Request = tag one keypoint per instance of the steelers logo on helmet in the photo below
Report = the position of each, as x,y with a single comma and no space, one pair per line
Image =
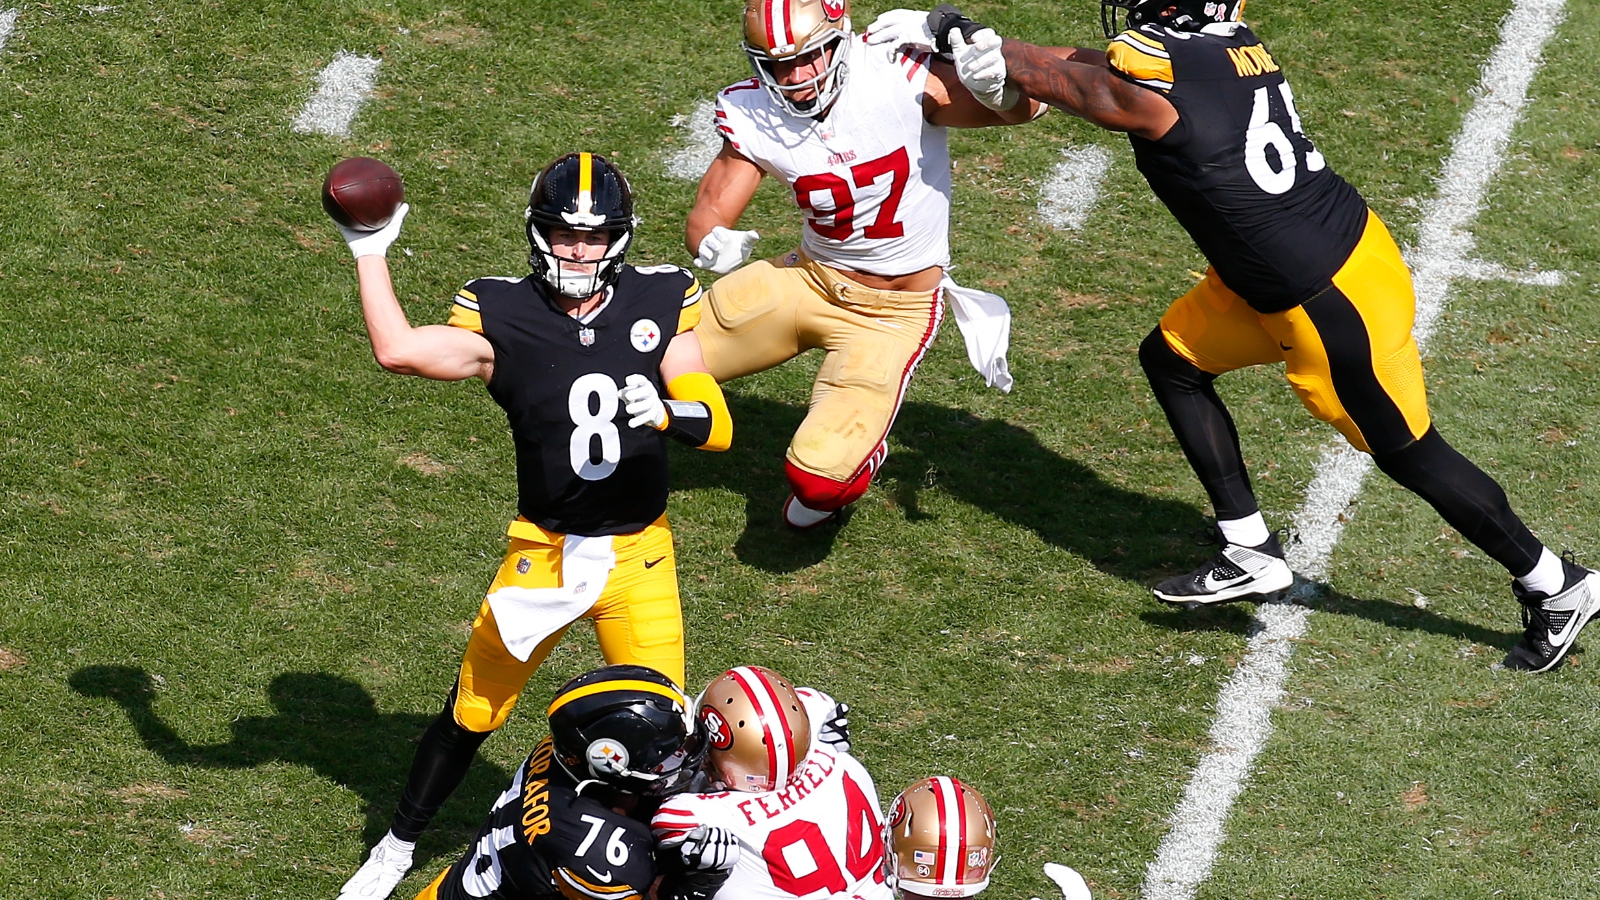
585,193
797,49
606,755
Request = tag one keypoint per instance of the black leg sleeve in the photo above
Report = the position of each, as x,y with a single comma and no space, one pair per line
441,762
1467,498
1202,425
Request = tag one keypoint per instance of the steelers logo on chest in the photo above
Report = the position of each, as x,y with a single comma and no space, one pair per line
645,335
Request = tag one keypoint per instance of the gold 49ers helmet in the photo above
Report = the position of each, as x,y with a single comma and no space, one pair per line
939,840
791,31
757,728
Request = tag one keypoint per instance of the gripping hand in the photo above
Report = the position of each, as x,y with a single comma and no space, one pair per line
643,403
835,732
709,849
724,249
375,243
900,28
982,68
945,19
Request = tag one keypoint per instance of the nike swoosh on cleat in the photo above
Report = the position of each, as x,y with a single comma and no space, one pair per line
651,564
1213,585
1557,638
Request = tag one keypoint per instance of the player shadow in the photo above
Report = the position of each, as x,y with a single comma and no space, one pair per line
1239,618
990,464
326,723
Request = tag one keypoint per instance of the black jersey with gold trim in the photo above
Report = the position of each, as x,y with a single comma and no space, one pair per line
1236,170
545,840
580,468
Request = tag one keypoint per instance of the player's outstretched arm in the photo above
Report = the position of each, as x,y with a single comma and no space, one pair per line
1088,90
440,352
947,102
725,190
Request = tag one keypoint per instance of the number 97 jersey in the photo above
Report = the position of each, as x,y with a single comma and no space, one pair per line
820,836
1236,170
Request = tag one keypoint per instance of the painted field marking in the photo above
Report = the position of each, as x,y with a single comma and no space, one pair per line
1244,708
701,143
8,24
341,89
1073,187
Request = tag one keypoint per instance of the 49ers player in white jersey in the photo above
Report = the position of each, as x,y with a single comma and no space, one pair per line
858,133
804,813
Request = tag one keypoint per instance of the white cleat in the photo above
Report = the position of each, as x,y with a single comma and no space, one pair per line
377,877
1072,885
801,517
1235,573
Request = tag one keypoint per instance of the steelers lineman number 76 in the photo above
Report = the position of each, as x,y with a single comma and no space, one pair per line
589,425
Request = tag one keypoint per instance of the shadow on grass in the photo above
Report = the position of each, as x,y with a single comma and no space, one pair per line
990,464
326,723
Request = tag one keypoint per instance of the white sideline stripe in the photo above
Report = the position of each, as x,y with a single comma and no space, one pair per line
1074,186
341,89
1480,270
702,145
8,24
1244,709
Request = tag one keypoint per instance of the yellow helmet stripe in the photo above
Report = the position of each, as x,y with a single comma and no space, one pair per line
589,690
586,183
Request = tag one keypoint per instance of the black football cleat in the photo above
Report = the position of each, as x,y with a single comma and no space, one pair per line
1235,573
1551,622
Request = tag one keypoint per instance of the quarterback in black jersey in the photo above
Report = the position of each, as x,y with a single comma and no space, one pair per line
596,364
573,823
1302,272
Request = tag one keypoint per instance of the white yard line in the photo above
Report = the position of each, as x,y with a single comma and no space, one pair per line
8,24
1244,708
1073,187
701,143
341,89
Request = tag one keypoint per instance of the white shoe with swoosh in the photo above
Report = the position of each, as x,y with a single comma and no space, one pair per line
1235,573
1550,623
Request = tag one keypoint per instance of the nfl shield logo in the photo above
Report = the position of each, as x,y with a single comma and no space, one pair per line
523,565
586,336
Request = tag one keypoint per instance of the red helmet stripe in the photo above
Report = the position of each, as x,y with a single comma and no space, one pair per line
780,752
961,816
778,23
950,857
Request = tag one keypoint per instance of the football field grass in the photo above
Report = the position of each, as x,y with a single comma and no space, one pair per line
240,560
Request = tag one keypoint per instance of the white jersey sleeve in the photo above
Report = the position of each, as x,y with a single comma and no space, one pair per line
872,177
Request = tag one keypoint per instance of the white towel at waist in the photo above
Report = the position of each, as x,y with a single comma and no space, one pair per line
527,616
985,323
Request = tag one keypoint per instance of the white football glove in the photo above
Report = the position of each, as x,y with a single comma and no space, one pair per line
982,68
375,243
709,849
835,732
724,249
643,403
900,28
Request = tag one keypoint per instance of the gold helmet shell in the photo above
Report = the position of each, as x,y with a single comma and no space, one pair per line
939,840
789,31
756,727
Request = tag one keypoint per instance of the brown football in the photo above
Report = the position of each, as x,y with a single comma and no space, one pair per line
362,193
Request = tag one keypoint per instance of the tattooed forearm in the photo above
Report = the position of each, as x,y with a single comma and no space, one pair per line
1087,91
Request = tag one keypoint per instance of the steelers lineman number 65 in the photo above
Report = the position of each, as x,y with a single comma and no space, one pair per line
1267,131
589,425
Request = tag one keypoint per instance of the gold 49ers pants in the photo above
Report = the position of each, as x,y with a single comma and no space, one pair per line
638,618
1349,351
775,309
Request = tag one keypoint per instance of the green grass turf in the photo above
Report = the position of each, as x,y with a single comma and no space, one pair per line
239,560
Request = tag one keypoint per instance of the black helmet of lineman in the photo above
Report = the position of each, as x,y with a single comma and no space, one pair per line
581,192
1185,15
627,727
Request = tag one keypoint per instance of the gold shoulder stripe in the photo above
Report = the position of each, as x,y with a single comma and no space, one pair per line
575,888
467,294
1145,68
470,319
467,299
623,684
692,291
690,317
1144,39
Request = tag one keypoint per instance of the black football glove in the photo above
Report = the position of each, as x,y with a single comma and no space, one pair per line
703,861
945,19
835,732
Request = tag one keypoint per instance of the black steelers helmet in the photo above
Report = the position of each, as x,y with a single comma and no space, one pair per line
1185,15
628,727
583,192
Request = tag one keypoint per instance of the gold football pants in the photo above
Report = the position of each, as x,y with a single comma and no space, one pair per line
637,618
772,310
1348,351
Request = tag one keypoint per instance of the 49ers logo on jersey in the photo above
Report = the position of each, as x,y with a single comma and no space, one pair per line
833,9
721,734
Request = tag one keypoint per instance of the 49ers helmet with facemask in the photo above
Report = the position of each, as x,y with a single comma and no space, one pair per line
1185,15
791,30
581,192
627,727
939,840
757,729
